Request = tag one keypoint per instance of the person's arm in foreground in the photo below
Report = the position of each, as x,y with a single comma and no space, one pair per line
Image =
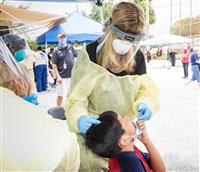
157,162
76,105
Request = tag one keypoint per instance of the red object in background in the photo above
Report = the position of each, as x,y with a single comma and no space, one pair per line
185,56
161,51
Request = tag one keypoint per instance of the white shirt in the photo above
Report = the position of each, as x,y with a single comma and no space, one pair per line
41,59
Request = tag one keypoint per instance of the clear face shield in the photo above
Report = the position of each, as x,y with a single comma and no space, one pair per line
13,75
125,41
17,45
20,50
124,48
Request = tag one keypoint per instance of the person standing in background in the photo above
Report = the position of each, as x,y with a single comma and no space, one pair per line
185,61
161,53
195,62
148,55
51,71
62,63
41,70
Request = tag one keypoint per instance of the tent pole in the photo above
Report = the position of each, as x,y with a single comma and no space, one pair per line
46,46
101,14
47,62
77,7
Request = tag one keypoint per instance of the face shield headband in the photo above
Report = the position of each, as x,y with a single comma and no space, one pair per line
126,36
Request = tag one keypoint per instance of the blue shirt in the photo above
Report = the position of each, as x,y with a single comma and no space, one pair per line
129,162
193,59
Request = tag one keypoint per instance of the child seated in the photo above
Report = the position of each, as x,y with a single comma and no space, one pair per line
114,138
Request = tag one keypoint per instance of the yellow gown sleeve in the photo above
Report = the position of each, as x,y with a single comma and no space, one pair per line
81,87
148,94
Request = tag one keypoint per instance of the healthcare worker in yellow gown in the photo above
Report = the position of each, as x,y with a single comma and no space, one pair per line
31,140
110,74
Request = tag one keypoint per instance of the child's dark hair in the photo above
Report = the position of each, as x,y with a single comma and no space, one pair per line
103,138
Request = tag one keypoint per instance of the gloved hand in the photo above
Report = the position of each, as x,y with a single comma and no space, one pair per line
32,98
144,112
85,122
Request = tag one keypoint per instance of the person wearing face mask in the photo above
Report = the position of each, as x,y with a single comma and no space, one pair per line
62,63
19,81
110,74
17,46
185,60
22,53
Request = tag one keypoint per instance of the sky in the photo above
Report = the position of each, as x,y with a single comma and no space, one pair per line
163,13
161,8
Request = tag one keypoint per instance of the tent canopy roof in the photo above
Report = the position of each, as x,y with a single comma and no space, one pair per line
78,28
25,16
166,39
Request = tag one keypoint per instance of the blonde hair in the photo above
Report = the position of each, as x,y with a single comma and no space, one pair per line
21,86
129,18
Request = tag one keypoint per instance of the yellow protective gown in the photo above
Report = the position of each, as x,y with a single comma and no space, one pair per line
94,90
32,140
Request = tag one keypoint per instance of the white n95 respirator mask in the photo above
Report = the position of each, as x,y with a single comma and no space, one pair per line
121,47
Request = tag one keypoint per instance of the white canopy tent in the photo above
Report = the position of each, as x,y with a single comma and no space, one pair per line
167,39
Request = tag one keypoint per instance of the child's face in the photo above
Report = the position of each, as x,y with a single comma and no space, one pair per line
128,126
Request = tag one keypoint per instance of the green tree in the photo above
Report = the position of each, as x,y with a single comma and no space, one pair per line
152,16
107,10
185,27
32,44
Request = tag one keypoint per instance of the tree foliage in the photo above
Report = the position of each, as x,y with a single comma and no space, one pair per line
95,13
32,44
185,26
108,6
152,16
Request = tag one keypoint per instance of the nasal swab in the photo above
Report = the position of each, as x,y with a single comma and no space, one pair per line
138,131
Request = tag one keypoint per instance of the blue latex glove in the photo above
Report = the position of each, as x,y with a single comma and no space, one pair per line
85,122
144,112
32,98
